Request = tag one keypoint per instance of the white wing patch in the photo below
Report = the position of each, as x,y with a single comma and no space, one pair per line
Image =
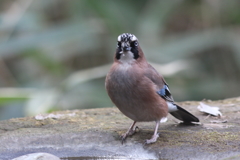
171,107
164,119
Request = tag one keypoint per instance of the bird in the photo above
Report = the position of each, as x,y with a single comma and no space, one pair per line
138,90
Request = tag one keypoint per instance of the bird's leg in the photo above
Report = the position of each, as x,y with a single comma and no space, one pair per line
129,132
155,135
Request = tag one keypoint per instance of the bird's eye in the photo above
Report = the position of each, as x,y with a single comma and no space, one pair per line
134,44
118,44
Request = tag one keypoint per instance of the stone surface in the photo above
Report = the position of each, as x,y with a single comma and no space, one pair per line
37,156
96,132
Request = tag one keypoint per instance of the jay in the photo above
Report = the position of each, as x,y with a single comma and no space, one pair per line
138,90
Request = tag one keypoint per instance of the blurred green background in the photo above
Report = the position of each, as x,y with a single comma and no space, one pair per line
54,54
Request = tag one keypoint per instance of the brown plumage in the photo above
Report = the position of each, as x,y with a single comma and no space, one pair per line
137,89
134,93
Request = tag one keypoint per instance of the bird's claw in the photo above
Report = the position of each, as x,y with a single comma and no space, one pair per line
129,133
123,138
133,131
152,140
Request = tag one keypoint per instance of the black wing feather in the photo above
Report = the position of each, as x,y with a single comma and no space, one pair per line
165,93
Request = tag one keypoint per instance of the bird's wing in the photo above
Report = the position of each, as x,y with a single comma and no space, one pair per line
157,79
163,90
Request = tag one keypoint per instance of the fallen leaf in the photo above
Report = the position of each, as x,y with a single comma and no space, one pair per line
209,109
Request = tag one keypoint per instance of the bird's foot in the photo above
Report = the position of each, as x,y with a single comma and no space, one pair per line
130,132
133,131
124,137
153,139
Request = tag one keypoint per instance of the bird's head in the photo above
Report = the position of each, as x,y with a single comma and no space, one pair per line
128,49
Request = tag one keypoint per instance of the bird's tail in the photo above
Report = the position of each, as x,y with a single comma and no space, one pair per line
183,115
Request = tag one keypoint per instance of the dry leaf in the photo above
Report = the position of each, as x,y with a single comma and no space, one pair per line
209,109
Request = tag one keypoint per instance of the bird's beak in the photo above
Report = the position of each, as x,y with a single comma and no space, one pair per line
126,47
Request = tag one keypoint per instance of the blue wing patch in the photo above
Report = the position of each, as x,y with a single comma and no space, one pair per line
162,91
165,93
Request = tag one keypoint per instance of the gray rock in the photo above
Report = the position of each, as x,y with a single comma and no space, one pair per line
96,133
37,156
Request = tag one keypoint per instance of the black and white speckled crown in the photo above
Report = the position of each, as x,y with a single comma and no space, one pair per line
127,37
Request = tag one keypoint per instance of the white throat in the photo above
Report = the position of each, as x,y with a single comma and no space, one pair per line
126,60
127,57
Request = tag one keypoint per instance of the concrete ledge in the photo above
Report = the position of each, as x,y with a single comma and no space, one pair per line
95,133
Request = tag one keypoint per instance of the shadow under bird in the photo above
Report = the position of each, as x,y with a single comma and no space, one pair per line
138,90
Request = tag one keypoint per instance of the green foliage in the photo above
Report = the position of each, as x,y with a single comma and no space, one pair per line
62,49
